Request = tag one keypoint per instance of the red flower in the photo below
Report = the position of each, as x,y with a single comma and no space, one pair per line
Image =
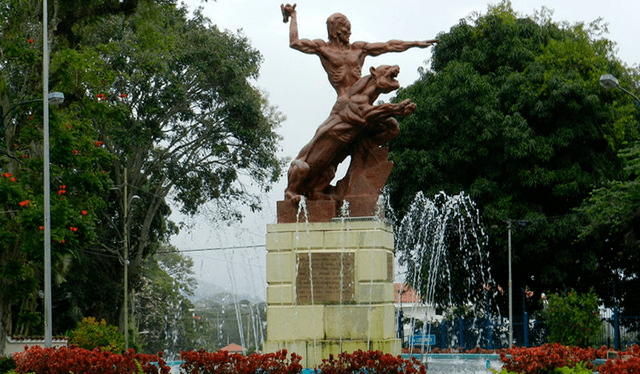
99,143
31,118
75,152
24,203
13,179
123,95
7,175
101,97
84,212
41,227
74,229
30,41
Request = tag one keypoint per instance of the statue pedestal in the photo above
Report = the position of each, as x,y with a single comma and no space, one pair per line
330,289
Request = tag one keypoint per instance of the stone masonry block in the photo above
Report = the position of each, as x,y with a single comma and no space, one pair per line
375,293
295,322
374,265
279,241
281,294
281,267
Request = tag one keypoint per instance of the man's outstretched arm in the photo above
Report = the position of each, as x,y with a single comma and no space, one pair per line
303,45
375,49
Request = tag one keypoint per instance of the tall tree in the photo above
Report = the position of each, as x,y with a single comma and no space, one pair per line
512,113
168,97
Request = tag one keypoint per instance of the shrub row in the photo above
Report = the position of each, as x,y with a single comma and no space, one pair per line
549,357
80,361
544,359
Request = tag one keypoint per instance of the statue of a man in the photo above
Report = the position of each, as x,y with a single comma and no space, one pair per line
340,59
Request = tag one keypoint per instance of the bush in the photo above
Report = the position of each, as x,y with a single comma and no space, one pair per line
559,359
369,362
572,319
546,358
91,334
83,361
223,362
627,363
6,364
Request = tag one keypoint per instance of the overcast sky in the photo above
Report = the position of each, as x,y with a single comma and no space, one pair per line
297,85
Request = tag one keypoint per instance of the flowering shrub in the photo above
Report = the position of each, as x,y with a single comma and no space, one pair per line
83,361
369,362
560,359
627,363
545,358
223,362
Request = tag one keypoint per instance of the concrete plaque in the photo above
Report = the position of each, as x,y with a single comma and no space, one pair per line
331,273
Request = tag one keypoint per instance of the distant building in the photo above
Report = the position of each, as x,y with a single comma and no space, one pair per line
408,303
235,348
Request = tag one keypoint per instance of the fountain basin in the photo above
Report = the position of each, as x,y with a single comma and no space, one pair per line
451,363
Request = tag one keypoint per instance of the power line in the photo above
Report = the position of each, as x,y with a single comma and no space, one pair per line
214,249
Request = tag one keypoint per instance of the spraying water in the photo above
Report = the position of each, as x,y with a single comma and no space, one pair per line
440,242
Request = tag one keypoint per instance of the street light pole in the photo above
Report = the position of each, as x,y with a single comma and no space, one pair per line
510,289
48,330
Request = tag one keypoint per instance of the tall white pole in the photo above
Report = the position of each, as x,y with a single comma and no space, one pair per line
510,291
48,335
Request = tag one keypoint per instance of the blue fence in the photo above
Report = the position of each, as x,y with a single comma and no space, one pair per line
618,330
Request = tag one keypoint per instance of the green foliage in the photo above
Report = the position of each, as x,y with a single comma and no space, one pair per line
91,334
7,364
580,368
572,319
610,216
512,114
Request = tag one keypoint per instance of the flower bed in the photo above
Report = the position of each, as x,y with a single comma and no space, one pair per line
202,362
77,360
537,360
549,357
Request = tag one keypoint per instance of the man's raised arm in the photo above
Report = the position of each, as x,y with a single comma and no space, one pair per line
375,49
303,45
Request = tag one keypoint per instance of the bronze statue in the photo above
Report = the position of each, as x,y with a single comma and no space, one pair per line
355,126
342,60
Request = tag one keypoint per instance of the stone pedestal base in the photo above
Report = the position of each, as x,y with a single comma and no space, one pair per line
330,289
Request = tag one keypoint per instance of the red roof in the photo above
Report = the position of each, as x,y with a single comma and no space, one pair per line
409,295
233,348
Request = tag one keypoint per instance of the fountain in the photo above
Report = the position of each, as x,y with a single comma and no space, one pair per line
330,277
440,241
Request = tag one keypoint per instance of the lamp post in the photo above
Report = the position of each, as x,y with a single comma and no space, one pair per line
54,98
608,81
510,289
